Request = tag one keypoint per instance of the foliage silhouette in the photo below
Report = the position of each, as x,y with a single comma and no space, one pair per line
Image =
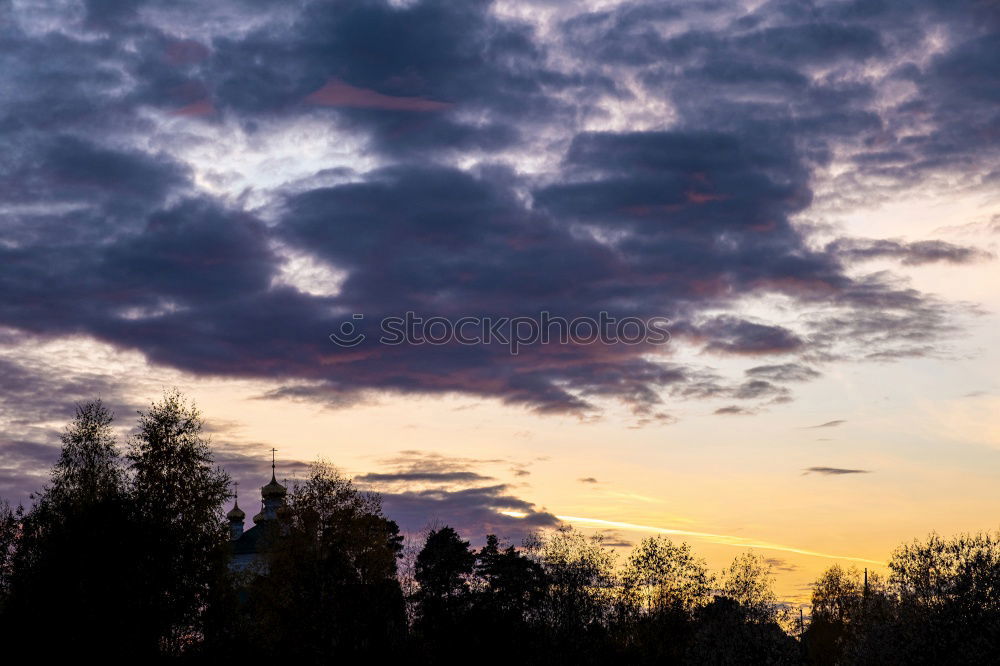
176,496
73,560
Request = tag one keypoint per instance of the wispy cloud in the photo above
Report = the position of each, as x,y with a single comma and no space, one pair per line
779,564
436,477
834,471
734,410
723,539
614,539
828,424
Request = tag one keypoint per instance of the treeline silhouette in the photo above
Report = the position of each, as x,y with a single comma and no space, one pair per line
125,556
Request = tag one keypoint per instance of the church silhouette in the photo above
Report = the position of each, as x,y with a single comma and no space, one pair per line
249,546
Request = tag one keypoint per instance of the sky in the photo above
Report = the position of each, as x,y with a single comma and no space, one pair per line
199,195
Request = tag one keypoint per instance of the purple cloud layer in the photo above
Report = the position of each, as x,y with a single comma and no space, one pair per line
109,233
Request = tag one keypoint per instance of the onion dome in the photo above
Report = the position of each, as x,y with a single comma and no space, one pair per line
236,514
259,518
273,490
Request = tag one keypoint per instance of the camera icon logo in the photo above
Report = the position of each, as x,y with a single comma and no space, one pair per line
348,334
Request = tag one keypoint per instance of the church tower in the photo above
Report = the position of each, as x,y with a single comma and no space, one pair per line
248,546
236,517
272,497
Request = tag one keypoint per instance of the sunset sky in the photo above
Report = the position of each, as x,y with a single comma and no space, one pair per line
196,195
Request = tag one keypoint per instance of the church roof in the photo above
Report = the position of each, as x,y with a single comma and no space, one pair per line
236,513
273,489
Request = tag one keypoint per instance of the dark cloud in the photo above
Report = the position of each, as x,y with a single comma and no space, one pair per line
415,466
828,424
115,230
695,187
910,254
427,488
734,410
815,64
811,43
834,471
785,372
437,65
779,564
734,336
886,321
614,539
474,512
759,388
429,462
436,477
587,479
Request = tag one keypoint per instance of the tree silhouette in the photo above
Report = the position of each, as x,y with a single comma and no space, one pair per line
578,596
940,604
837,597
443,566
73,561
739,625
10,534
177,496
748,581
661,576
662,584
89,469
948,595
512,584
442,569
725,631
